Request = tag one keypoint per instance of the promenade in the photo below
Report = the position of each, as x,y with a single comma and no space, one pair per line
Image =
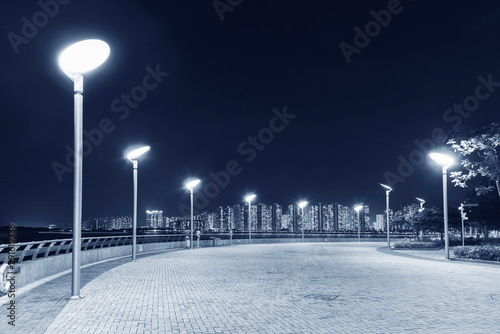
269,289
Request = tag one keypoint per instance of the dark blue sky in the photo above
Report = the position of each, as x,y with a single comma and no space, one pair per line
353,123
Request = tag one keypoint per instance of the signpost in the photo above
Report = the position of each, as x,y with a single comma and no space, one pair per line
464,217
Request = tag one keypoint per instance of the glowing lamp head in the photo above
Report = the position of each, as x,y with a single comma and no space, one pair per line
442,159
192,184
386,187
137,153
250,198
358,207
84,56
302,204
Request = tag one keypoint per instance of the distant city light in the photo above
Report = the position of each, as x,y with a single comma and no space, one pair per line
265,218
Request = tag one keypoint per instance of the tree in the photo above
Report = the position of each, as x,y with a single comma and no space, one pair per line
481,157
419,221
412,215
487,215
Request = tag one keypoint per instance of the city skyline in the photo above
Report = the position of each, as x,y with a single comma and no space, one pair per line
274,217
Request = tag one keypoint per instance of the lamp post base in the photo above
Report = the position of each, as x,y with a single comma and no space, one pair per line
75,297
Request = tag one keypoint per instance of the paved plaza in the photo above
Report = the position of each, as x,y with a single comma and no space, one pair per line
269,289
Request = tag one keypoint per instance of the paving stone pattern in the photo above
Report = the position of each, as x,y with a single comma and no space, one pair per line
270,289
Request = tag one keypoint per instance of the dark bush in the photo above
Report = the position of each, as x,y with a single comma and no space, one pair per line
467,241
488,253
416,244
490,241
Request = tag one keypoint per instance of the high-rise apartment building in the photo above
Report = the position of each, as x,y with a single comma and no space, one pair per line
379,223
294,221
276,218
238,217
154,219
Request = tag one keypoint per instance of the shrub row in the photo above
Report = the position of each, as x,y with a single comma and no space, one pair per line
418,244
468,241
488,253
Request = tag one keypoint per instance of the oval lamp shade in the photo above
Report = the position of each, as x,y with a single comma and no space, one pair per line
135,154
192,184
442,159
84,56
250,198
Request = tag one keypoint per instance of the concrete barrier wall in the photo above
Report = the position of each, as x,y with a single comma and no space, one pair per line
32,271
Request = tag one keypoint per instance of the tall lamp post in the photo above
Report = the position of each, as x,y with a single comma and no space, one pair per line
191,185
387,191
302,205
445,161
75,60
422,202
358,208
249,199
133,156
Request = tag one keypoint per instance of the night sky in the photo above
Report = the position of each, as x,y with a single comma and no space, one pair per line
356,101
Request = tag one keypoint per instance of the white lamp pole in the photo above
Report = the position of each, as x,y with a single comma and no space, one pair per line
191,185
387,191
249,199
302,205
75,60
444,161
133,156
358,208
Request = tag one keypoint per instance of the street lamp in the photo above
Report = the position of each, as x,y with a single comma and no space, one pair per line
133,156
387,191
302,205
422,202
444,161
358,208
191,185
249,199
76,60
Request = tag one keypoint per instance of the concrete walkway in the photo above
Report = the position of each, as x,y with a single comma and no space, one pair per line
276,288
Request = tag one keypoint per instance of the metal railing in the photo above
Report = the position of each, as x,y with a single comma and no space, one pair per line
307,235
26,251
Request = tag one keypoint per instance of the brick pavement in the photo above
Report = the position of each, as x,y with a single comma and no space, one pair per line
276,288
